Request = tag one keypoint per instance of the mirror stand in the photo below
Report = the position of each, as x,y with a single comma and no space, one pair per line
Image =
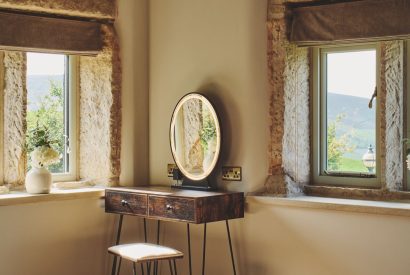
194,185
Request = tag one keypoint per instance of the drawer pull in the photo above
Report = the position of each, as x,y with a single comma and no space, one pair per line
168,207
124,202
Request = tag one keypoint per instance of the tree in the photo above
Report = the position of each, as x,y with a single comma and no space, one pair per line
50,116
336,146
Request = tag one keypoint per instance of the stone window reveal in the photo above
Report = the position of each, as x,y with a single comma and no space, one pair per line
99,86
290,90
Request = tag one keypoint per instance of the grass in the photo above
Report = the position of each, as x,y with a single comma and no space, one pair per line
352,165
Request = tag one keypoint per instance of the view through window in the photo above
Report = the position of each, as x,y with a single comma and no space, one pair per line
351,124
47,104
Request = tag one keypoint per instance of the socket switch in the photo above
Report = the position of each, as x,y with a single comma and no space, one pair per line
232,173
170,169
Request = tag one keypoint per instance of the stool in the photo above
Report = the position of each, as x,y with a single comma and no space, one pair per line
140,253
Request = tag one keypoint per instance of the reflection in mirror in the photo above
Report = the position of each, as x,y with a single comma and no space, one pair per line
195,137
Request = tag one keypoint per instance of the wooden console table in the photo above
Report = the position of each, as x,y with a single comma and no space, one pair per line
176,205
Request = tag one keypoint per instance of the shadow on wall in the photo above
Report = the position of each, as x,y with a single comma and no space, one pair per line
230,126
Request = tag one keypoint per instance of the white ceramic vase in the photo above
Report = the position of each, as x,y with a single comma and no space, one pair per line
38,181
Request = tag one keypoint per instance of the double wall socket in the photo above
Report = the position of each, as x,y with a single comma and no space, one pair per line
170,169
232,173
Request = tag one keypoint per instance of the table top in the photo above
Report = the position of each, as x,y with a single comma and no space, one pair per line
166,203
172,192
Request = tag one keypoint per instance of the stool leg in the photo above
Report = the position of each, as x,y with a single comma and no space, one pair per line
142,269
149,268
189,249
230,247
133,268
203,251
117,241
170,267
175,268
119,266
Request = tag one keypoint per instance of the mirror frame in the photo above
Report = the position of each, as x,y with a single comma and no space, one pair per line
215,116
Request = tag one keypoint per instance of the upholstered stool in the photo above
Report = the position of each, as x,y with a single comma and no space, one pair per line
139,253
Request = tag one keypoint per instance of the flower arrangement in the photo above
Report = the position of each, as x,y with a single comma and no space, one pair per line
406,141
42,152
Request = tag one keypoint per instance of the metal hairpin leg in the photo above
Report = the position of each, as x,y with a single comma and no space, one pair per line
158,232
119,266
117,241
175,268
134,269
189,249
230,247
203,251
142,269
170,267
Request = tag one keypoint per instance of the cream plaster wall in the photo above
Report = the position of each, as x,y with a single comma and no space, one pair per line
71,237
219,47
132,30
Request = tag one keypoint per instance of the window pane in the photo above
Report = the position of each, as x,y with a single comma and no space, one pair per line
46,89
351,124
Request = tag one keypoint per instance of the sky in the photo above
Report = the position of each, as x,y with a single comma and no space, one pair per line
352,73
45,64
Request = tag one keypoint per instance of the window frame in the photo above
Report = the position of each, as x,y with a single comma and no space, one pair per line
406,111
319,121
71,119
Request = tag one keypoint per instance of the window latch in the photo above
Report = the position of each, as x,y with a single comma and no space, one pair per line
373,97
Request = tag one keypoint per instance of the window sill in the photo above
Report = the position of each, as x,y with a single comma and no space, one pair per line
401,208
20,197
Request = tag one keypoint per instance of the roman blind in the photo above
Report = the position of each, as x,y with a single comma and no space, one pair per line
366,20
21,32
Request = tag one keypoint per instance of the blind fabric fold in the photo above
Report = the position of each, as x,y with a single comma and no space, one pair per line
366,20
45,34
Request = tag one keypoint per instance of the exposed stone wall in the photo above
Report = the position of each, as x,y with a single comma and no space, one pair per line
392,59
276,30
15,105
104,9
296,139
100,113
289,147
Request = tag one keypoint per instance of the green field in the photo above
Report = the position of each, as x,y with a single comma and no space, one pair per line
352,165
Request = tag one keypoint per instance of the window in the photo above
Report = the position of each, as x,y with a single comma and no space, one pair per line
51,104
345,110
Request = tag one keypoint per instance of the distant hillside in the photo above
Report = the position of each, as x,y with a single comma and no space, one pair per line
358,121
356,111
38,86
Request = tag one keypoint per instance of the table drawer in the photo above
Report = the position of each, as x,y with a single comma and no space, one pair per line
182,209
126,203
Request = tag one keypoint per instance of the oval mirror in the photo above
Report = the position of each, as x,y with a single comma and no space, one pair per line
195,136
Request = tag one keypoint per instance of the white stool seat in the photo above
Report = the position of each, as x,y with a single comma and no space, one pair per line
143,252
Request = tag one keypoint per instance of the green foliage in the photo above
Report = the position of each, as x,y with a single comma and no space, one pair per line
45,124
336,146
208,131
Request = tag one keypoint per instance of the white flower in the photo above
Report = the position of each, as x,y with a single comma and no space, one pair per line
44,156
408,161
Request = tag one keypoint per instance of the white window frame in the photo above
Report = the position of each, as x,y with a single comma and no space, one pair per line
407,112
71,116
319,125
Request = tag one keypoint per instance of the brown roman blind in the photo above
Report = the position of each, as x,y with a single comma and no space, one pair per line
45,34
366,20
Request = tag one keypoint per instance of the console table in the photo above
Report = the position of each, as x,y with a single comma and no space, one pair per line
176,205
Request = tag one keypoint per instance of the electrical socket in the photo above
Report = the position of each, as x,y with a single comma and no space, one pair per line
232,173
170,169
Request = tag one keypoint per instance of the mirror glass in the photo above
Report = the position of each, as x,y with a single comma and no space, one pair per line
195,136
